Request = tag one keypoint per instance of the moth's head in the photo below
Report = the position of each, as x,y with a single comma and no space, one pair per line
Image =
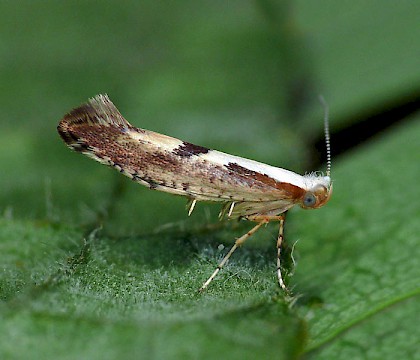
319,187
318,194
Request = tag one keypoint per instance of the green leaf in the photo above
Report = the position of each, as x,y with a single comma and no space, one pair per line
365,265
94,266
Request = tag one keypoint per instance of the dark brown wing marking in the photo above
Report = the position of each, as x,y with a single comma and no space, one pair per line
293,192
187,149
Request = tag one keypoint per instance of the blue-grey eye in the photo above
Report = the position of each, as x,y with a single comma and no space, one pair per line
309,199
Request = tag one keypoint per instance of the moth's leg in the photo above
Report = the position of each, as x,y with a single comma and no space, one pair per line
237,244
191,205
279,242
280,218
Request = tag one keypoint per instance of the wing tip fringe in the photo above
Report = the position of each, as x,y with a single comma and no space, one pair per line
99,110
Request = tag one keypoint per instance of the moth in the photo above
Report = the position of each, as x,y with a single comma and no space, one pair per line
247,189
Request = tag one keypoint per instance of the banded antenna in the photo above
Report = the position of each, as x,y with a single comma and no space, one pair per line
326,133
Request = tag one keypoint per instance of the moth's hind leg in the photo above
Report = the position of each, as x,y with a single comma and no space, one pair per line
237,244
280,239
281,219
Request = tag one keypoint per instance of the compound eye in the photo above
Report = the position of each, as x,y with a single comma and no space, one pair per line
309,200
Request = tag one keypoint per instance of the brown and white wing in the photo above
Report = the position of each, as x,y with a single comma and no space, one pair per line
98,130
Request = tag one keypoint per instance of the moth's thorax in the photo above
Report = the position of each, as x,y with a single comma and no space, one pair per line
318,192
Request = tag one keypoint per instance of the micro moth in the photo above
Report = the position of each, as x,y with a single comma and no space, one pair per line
247,189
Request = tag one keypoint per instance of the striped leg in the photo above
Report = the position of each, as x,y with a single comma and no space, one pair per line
279,242
237,244
281,219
